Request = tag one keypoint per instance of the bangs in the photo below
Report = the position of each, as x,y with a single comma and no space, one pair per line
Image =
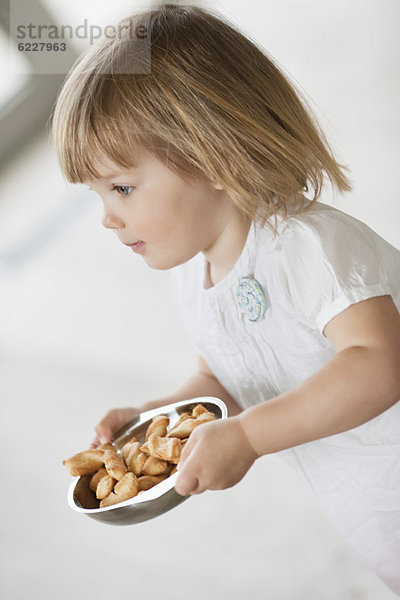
102,121
100,149
94,130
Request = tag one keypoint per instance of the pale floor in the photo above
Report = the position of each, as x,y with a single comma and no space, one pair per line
86,326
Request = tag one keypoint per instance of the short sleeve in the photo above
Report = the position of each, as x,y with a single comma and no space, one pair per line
324,263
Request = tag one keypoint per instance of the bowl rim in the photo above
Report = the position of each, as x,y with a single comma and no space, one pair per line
164,486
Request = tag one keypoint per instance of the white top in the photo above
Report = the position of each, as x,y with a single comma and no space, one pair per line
322,261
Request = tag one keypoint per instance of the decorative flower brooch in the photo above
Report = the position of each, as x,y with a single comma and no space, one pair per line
251,299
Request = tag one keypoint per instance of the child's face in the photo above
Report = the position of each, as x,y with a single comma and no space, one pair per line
173,218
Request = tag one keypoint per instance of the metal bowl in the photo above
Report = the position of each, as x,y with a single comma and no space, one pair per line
158,499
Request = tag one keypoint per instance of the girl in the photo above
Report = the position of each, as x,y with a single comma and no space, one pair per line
207,160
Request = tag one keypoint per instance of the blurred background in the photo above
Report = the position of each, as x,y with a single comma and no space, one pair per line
86,326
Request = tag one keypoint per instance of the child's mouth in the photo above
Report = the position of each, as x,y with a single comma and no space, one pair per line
138,246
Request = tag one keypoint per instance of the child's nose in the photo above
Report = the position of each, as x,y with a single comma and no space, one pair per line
111,221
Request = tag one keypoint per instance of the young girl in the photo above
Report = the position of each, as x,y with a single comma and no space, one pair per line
206,160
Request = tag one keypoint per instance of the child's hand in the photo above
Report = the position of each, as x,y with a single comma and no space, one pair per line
111,422
216,456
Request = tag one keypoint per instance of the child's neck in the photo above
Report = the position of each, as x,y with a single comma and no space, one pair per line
224,253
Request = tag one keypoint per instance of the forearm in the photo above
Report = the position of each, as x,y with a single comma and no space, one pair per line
197,386
355,386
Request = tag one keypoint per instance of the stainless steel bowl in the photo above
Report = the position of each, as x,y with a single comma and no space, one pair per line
158,499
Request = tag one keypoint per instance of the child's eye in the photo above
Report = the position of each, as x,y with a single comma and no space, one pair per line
123,190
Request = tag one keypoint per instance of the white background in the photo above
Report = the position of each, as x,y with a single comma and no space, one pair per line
85,325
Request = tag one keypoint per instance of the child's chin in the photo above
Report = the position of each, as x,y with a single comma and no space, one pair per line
160,264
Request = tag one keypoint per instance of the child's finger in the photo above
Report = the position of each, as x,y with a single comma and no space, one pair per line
104,431
186,483
104,437
112,421
199,489
185,454
95,443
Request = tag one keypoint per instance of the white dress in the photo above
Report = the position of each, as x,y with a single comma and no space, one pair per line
322,261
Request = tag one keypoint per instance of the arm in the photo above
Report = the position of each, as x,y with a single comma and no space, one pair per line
359,383
203,383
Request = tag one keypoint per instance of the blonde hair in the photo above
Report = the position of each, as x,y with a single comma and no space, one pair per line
212,106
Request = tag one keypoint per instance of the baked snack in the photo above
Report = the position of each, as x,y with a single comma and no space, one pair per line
137,467
154,466
83,463
158,426
126,488
168,449
133,457
148,481
114,464
102,483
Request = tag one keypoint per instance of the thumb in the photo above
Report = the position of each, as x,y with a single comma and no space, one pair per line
186,452
112,421
103,433
186,482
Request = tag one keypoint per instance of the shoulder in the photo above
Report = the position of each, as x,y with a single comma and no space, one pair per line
329,240
325,243
300,234
325,232
323,222
323,260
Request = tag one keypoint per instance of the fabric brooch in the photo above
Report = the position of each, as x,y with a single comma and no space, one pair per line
251,299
